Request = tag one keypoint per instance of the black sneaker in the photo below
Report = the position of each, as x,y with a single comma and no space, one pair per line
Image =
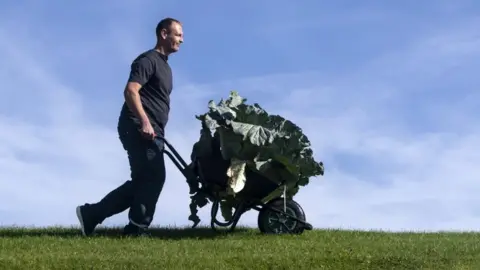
87,224
135,231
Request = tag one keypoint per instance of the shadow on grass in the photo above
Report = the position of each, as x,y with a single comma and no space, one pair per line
116,232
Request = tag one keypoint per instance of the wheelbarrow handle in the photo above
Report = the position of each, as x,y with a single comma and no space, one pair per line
176,156
163,139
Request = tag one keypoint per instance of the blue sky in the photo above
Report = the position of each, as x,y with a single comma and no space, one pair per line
386,92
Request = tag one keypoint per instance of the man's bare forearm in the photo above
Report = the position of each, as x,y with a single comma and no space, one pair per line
132,98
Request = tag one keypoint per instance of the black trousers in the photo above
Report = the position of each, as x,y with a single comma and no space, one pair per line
140,194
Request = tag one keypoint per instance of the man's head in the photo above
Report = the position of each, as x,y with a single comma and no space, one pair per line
169,35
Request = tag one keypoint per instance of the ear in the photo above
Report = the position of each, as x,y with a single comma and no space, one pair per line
164,33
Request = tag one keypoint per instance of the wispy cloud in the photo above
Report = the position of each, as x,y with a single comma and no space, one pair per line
396,127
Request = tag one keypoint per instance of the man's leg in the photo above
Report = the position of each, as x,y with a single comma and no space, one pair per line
147,188
121,198
117,201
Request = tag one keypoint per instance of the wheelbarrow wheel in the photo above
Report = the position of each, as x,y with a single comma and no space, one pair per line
276,222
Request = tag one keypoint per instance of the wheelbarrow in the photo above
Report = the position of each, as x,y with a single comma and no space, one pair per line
277,214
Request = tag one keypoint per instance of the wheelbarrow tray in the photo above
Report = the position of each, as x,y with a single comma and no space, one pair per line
213,174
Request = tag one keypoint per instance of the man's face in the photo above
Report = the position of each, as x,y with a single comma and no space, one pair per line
173,38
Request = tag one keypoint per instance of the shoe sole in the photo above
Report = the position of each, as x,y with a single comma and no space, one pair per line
80,219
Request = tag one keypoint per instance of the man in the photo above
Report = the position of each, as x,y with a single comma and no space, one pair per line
143,117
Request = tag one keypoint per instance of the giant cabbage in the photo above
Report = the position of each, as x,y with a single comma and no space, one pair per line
249,137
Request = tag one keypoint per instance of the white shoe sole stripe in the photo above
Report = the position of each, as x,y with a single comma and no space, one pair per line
80,219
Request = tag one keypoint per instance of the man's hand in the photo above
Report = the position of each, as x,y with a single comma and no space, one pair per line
147,131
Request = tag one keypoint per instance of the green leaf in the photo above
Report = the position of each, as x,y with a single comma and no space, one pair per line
271,145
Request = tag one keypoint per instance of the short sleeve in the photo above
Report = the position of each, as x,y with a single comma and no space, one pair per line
141,70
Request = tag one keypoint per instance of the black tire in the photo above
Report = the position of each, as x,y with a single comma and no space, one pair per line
269,223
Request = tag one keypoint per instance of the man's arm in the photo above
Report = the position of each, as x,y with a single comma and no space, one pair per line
141,71
132,98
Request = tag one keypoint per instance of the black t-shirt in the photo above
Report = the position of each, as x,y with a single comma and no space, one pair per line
151,70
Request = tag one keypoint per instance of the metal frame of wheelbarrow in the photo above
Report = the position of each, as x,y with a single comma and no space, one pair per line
243,206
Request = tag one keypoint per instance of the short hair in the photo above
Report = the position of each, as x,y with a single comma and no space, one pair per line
165,24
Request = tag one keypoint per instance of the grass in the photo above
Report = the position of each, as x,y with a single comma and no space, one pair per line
64,248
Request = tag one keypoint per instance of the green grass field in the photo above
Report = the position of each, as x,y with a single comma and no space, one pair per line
62,248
